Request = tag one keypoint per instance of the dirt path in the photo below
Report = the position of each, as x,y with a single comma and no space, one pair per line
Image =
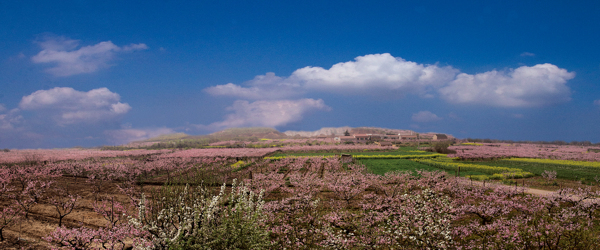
538,191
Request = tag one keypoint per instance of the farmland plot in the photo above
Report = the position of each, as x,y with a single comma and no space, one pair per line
503,150
295,203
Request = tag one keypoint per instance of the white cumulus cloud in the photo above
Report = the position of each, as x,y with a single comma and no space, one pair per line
539,85
262,87
69,106
425,116
264,113
68,60
375,74
9,119
383,75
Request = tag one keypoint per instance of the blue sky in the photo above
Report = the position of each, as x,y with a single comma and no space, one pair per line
88,73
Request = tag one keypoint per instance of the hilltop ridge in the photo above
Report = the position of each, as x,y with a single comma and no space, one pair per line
340,131
256,133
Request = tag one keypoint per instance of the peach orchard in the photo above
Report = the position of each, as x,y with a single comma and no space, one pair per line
234,198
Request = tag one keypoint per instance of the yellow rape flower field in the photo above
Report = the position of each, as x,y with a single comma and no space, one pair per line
492,172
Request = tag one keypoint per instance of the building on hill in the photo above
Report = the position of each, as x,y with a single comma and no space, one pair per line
362,137
345,139
408,137
426,136
437,137
391,137
376,137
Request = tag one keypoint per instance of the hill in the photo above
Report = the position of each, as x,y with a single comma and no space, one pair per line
241,133
182,140
323,131
168,137
340,131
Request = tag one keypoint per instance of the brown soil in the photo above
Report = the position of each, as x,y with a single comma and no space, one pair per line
536,185
43,218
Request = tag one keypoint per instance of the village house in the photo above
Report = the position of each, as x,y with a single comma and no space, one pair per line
345,138
362,137
408,137
376,137
391,137
426,136
439,137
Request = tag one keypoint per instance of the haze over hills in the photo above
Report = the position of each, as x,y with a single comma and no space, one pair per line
241,134
259,132
256,133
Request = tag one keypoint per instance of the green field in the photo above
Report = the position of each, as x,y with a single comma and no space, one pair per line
382,166
400,151
568,172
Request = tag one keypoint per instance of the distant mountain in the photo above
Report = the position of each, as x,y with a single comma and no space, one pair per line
168,137
238,134
340,131
255,133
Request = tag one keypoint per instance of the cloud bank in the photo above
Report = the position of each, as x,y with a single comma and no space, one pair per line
266,113
540,85
262,87
68,60
65,115
374,73
69,106
370,74
9,119
384,75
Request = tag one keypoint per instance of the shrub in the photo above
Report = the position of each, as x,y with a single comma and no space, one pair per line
479,177
441,147
497,177
187,218
549,175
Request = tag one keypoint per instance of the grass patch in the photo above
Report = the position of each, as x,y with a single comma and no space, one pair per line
568,172
494,172
400,151
382,166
